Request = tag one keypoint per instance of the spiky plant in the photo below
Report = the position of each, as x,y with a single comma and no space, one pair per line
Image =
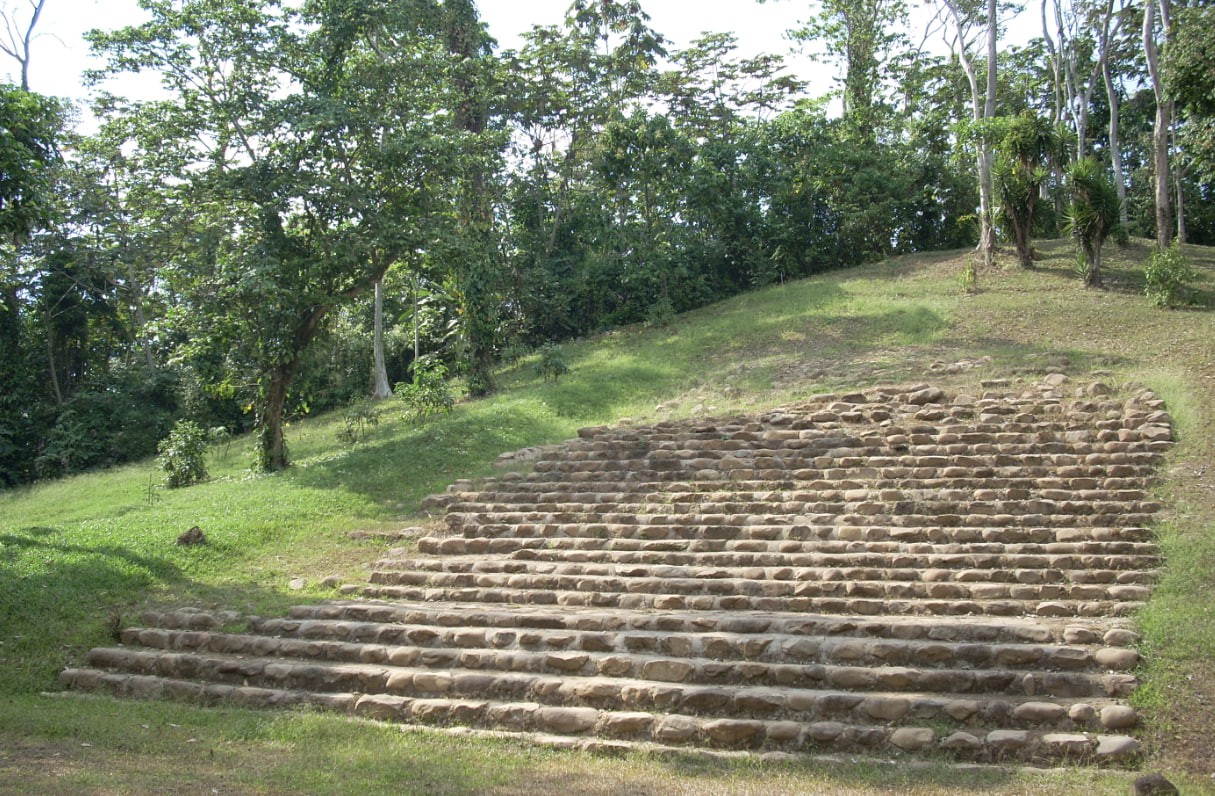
1093,214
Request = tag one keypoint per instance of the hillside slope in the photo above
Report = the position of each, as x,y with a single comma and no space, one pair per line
84,555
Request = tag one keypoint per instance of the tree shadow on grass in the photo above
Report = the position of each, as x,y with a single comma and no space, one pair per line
58,599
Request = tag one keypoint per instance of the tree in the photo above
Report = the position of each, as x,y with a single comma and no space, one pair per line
863,35
1189,73
310,148
1025,146
965,23
1093,214
1154,36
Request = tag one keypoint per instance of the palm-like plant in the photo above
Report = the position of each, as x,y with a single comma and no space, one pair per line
1026,143
1093,214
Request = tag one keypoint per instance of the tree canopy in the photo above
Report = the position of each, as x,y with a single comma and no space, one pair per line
212,255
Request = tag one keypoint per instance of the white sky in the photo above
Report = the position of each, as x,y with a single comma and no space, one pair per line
60,53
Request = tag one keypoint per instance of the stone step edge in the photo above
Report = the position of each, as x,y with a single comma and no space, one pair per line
844,606
1005,630
413,681
905,572
863,673
576,722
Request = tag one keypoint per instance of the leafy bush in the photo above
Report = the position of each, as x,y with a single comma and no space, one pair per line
1168,273
360,419
182,454
551,364
428,393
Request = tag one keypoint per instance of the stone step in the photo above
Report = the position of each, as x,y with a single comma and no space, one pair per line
948,529
974,744
893,556
719,658
537,594
664,687
970,569
949,630
873,584
1148,552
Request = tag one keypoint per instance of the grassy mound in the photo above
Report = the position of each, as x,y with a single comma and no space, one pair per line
80,558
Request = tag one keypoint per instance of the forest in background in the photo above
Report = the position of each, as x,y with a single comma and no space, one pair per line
339,196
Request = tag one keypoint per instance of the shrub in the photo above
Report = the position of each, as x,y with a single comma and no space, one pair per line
1168,273
182,454
359,420
428,393
551,364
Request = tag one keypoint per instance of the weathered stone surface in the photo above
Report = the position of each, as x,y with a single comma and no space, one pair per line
826,731
1120,637
1069,743
668,670
1116,658
682,583
912,739
961,709
1007,740
1117,747
1153,785
569,721
626,724
733,732
962,742
675,729
886,708
1039,712
1082,713
1118,717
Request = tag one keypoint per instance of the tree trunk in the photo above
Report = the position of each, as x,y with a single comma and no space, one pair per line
986,188
466,43
1111,93
1163,128
381,390
272,443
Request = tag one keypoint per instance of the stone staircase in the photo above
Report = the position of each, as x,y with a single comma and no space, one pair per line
895,571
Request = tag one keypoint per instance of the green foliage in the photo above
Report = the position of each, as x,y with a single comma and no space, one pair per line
30,128
1093,213
117,419
429,393
357,422
1025,144
551,364
1168,275
183,455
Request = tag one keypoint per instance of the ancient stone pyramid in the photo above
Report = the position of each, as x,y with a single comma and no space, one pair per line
898,571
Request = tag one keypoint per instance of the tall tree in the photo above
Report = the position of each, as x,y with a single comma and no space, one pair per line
966,25
310,146
865,37
475,256
1157,31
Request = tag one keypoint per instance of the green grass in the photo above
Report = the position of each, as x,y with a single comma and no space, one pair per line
80,557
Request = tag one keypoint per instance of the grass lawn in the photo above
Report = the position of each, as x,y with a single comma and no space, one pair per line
81,558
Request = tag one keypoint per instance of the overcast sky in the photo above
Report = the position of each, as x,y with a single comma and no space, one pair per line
60,53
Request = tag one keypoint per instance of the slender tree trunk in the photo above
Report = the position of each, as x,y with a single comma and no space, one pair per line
140,321
986,189
1111,93
1164,122
381,389
1178,174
